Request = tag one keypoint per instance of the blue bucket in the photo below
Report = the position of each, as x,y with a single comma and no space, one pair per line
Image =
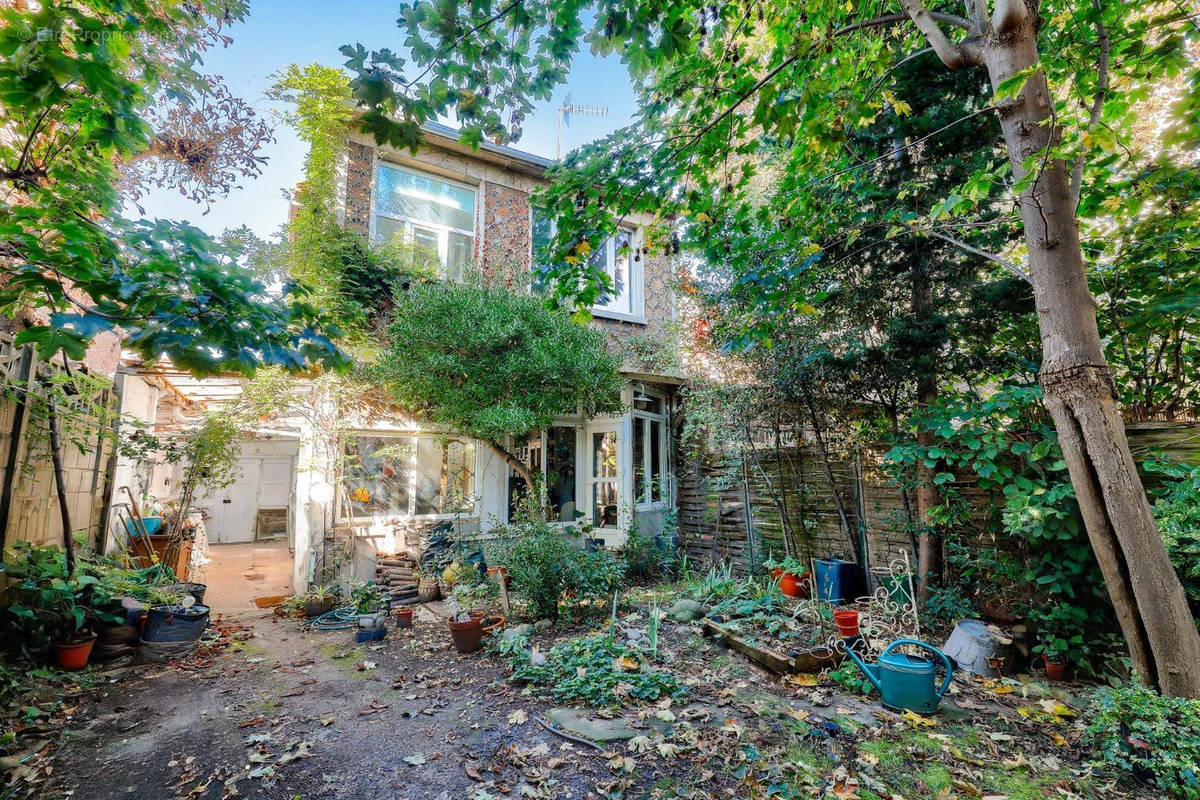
151,524
835,580
175,623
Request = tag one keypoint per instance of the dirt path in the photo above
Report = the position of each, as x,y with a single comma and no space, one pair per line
298,715
173,731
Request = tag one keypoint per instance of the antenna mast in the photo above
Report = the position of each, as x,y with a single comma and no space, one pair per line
564,118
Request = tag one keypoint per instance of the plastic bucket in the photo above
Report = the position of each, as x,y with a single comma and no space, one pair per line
835,579
175,623
196,590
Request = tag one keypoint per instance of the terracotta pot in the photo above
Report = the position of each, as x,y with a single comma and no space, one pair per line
498,574
776,573
492,625
476,613
73,655
847,622
1056,670
404,616
793,586
467,636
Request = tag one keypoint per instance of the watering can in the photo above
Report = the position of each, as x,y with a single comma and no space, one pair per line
906,682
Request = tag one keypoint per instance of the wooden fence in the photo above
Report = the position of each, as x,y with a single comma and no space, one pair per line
28,498
714,495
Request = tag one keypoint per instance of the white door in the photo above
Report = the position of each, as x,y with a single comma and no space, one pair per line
236,505
603,490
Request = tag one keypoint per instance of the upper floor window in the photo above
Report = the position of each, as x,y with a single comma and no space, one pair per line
615,258
434,214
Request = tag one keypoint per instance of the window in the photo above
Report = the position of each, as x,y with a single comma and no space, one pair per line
408,475
649,449
554,454
435,215
615,258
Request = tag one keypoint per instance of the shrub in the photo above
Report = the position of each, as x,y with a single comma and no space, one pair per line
644,555
1155,738
1177,512
543,565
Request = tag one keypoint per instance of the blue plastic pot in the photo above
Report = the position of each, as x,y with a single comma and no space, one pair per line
175,623
836,580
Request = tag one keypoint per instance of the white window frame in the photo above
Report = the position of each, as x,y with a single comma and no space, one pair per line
443,231
636,283
590,480
644,418
410,514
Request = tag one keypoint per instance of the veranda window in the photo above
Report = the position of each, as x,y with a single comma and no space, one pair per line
649,450
409,476
434,214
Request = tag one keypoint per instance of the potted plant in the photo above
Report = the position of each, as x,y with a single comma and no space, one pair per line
404,616
1054,652
846,620
466,632
792,574
321,600
369,605
55,610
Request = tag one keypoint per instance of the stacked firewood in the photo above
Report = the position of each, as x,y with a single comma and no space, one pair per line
396,574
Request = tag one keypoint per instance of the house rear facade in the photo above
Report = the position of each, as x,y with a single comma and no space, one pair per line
473,209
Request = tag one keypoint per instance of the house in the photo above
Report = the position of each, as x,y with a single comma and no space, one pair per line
472,207
399,479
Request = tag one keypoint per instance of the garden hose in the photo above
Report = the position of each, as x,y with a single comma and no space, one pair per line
337,620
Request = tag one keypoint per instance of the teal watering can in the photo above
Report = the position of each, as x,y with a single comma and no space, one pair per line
905,682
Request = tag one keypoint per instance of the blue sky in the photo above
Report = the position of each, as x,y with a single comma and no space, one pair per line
304,31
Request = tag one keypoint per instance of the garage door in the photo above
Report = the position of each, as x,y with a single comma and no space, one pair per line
262,483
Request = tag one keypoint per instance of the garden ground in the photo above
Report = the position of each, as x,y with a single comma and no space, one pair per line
269,710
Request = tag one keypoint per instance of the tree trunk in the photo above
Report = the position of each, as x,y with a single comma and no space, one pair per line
60,486
522,470
929,550
1079,390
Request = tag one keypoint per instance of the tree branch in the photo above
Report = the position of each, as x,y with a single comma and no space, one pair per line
1008,16
1102,78
952,55
889,19
1010,267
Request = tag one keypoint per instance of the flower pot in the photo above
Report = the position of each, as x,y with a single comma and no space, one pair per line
73,655
793,586
476,613
372,620
404,616
175,623
1056,670
315,608
499,574
467,636
492,625
776,573
847,622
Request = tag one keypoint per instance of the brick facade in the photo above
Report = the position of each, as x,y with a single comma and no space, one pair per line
503,226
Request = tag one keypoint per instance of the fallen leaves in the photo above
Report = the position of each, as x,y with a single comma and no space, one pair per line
416,759
518,717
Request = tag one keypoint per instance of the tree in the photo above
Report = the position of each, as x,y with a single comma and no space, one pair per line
717,81
490,362
78,83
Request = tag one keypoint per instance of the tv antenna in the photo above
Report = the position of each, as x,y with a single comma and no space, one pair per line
564,118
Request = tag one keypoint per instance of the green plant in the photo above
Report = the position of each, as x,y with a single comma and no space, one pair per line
1059,637
949,604
849,676
50,605
1134,729
790,565
368,598
1177,511
596,671
645,556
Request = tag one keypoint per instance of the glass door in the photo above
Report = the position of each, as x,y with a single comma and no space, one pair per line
603,476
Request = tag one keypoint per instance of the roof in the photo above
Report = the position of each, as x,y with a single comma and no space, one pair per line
445,137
